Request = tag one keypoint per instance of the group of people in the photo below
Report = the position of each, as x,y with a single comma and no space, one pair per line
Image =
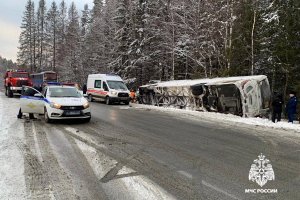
291,107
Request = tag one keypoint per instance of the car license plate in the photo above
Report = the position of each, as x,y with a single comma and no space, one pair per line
75,112
124,98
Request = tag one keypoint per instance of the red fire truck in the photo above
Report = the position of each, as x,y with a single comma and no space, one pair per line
14,80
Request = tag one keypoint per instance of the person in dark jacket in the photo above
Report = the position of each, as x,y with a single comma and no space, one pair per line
28,92
84,89
277,108
291,106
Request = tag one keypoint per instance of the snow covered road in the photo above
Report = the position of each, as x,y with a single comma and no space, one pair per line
140,152
41,161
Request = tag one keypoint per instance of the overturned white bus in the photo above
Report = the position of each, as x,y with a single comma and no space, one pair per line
246,96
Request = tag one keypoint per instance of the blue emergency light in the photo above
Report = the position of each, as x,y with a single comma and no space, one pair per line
52,83
111,74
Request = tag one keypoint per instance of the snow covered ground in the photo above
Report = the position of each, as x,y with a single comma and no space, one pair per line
37,161
12,181
20,147
227,118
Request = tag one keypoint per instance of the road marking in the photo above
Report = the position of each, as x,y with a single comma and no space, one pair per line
84,136
219,190
185,174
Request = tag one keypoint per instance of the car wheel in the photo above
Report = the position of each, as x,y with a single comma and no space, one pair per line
90,98
126,103
108,101
9,93
46,117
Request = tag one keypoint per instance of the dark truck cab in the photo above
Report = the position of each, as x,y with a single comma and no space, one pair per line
14,80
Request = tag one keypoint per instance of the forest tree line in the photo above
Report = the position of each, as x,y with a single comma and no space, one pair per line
144,40
6,64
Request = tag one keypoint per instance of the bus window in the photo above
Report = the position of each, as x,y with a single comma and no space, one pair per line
49,76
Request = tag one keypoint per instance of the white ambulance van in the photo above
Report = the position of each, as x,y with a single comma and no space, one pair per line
108,87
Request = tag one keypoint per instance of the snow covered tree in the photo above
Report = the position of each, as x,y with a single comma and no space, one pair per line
84,47
143,40
61,37
52,35
72,67
6,64
41,18
26,54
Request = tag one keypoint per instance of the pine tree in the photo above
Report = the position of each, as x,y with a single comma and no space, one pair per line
26,54
95,39
41,18
84,48
61,37
72,67
52,34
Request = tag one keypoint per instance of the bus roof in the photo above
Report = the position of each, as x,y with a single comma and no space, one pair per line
48,72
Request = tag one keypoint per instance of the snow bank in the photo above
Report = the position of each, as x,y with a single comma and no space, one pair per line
224,117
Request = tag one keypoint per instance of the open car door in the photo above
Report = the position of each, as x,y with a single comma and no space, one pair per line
32,101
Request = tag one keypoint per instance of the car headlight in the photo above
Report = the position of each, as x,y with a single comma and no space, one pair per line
86,105
55,105
114,93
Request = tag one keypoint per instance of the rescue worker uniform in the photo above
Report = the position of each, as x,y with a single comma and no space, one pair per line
291,107
132,96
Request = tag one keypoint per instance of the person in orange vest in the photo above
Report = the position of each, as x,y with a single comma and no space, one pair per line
132,96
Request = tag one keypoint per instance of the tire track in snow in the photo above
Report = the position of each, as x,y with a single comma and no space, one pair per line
35,176
85,183
60,184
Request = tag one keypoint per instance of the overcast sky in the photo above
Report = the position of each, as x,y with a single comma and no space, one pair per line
11,12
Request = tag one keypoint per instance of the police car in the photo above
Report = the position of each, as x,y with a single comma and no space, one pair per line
57,102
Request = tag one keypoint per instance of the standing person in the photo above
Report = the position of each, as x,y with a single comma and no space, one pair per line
291,106
84,89
132,96
277,108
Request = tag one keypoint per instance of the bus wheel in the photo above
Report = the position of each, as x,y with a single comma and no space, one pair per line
90,98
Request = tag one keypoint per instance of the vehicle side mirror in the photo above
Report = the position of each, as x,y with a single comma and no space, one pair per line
38,95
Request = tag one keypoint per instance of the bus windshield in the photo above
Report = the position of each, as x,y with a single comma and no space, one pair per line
117,85
50,76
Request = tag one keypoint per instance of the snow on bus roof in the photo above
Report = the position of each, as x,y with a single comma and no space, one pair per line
207,81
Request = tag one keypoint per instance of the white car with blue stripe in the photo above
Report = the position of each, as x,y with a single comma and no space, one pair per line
57,102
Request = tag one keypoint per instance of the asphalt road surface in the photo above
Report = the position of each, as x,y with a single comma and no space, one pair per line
138,153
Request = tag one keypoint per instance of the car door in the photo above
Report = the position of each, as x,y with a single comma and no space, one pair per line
105,89
32,104
97,88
